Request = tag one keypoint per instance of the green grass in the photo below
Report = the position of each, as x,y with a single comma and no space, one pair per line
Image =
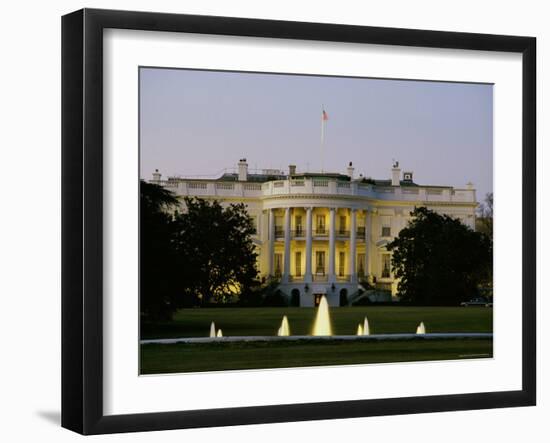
265,321
162,359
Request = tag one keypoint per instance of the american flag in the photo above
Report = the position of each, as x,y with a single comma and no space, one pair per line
324,116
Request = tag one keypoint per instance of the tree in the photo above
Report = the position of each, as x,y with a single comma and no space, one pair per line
439,260
484,222
159,283
215,245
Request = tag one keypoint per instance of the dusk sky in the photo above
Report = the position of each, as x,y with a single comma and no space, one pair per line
197,123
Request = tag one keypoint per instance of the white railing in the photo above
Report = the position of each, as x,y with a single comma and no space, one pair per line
319,187
320,183
252,187
225,186
196,185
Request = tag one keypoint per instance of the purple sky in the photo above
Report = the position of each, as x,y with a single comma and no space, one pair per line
196,123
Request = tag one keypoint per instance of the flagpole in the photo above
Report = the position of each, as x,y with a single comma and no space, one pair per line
322,139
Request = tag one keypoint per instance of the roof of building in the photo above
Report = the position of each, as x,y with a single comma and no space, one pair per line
267,175
257,178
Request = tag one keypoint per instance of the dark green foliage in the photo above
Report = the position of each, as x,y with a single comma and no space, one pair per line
264,293
159,270
203,255
439,260
215,245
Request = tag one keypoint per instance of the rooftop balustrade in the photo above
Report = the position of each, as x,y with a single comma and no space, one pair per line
317,186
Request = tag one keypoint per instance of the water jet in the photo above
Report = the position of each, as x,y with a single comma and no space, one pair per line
284,330
366,327
212,330
322,325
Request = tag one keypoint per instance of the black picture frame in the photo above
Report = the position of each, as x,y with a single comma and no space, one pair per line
82,218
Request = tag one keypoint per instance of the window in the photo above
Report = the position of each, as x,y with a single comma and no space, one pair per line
386,264
320,227
298,264
342,264
320,262
278,265
361,265
342,224
298,225
279,231
385,221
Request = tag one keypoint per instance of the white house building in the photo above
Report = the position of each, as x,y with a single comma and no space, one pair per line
325,233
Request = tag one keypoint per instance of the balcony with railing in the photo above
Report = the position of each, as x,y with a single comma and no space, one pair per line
298,233
342,233
320,232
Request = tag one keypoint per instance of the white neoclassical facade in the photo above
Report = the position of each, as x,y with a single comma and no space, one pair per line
326,233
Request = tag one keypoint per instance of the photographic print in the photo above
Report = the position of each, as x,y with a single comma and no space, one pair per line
300,220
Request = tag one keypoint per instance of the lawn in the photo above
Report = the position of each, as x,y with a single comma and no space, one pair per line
214,356
266,321
162,359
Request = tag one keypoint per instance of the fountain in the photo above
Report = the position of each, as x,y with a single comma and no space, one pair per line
421,328
359,329
212,330
284,330
322,325
219,334
366,328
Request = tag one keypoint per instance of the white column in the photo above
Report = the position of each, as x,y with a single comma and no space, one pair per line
309,244
353,245
271,242
368,229
286,272
332,246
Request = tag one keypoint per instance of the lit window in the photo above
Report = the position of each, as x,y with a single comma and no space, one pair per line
342,264
298,263
342,224
298,225
386,264
361,264
320,262
278,264
321,227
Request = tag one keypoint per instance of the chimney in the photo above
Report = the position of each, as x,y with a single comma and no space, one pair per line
156,176
291,170
243,170
395,174
408,176
350,170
